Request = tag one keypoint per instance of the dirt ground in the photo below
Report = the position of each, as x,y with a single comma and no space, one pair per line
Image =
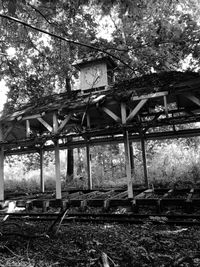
77,244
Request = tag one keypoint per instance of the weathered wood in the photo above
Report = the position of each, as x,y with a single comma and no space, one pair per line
111,114
147,96
1,173
123,113
193,98
144,162
8,131
28,129
136,109
57,171
34,116
128,164
45,124
88,121
64,123
55,123
42,188
88,158
165,105
131,156
1,165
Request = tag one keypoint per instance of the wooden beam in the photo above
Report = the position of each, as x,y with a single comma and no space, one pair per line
57,170
136,109
89,172
148,96
7,132
193,98
1,173
111,114
144,162
64,122
1,165
131,156
165,105
28,129
55,123
42,188
35,116
123,113
45,124
88,121
128,164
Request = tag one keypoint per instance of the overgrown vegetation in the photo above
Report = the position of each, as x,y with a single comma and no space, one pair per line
169,162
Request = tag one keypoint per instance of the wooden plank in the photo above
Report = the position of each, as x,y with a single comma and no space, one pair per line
45,124
128,164
57,170
8,131
55,123
144,162
88,158
64,123
148,96
136,109
35,116
123,113
111,114
193,98
42,170
28,129
88,121
1,173
165,105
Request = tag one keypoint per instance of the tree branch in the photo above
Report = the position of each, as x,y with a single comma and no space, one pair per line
66,40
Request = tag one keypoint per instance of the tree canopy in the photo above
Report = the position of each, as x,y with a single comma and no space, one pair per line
142,36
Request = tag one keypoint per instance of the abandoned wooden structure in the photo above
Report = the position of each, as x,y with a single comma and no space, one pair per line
103,111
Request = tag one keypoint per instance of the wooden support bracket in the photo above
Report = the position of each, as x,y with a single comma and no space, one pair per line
111,114
45,124
64,123
193,98
136,109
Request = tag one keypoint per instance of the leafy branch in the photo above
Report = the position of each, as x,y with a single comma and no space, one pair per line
66,40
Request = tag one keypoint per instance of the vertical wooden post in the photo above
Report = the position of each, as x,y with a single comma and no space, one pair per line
28,129
144,161
57,169
165,105
41,170
1,166
127,152
131,156
88,157
128,164
1,173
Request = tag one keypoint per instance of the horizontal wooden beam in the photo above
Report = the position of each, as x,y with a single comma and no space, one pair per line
35,116
148,96
111,139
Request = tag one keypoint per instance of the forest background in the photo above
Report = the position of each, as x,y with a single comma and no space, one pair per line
143,36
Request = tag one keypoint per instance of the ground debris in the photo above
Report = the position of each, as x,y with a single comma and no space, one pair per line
109,245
